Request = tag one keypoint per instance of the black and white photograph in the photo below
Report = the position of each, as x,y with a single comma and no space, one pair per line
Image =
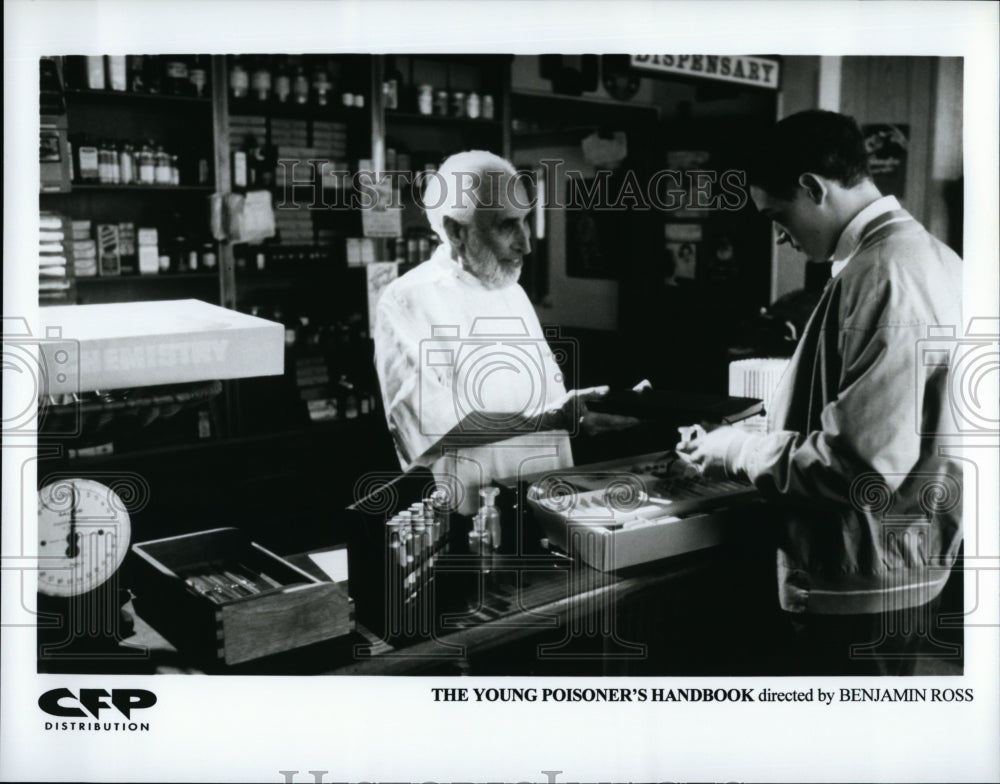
501,403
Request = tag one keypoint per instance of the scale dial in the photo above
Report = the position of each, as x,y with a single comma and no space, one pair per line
83,536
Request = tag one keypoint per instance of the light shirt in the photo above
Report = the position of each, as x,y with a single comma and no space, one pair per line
851,237
447,348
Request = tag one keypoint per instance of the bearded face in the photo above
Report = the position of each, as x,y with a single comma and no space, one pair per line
497,239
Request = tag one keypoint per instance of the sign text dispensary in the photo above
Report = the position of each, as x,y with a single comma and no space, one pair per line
756,71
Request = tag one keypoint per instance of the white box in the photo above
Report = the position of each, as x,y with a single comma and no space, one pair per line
149,260
136,344
612,549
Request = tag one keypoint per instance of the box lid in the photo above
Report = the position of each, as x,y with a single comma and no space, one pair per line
135,344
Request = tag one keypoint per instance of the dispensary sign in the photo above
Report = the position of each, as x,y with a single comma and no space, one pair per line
743,69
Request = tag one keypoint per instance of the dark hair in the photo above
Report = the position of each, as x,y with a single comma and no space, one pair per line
817,141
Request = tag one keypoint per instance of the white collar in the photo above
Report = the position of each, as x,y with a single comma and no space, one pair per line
851,236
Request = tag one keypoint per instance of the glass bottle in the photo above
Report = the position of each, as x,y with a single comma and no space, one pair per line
472,105
126,164
239,80
161,175
147,164
198,75
282,83
136,72
392,85
103,164
175,170
176,79
238,166
260,80
491,515
152,74
321,85
114,167
300,85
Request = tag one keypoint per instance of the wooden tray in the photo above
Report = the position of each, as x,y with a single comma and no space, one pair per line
289,608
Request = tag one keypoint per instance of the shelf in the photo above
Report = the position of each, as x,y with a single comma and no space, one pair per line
439,119
322,430
104,187
331,112
93,279
126,97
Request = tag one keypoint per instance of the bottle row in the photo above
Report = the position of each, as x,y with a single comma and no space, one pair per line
108,162
296,80
169,74
430,99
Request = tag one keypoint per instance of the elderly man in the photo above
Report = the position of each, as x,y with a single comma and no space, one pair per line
873,507
468,380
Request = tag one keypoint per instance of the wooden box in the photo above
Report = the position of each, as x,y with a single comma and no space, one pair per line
220,597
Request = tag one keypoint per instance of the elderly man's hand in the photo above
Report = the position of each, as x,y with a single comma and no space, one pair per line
572,411
717,454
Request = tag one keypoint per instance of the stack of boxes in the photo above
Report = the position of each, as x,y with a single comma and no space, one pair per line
110,249
54,258
149,259
84,250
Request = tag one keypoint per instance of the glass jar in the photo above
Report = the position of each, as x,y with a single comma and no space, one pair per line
260,81
126,164
147,165
239,80
161,173
458,104
282,84
472,105
441,103
488,109
300,86
425,99
321,87
198,74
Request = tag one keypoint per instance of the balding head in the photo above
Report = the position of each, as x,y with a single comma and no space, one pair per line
477,206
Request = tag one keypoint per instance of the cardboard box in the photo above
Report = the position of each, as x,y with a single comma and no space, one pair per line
108,243
135,344
149,260
622,513
222,598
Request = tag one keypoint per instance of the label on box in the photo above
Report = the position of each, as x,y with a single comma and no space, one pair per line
108,249
147,236
126,239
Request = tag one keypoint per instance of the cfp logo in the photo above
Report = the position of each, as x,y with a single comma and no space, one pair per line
60,702
972,362
497,378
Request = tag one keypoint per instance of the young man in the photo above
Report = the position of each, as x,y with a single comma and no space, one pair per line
468,380
870,507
